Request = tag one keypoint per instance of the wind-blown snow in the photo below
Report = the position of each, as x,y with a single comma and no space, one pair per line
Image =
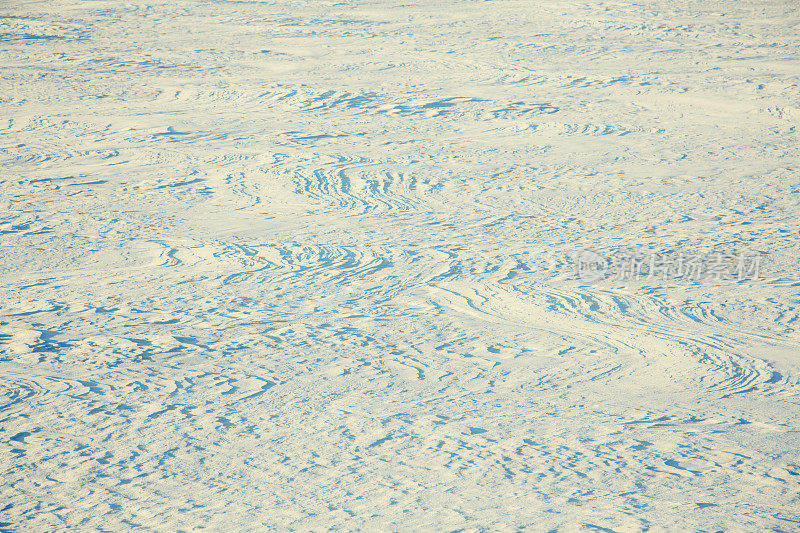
309,265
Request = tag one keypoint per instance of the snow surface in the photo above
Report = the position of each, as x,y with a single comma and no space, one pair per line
311,264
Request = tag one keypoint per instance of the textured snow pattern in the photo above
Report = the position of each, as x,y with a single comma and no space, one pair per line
311,265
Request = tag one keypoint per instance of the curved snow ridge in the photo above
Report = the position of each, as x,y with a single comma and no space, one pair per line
233,263
218,97
362,187
346,184
20,392
382,104
618,130
322,263
644,327
52,149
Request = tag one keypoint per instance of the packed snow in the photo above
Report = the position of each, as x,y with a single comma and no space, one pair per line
441,265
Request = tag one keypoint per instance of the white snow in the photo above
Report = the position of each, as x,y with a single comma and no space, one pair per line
310,265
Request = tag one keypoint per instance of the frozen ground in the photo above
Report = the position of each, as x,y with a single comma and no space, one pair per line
311,265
